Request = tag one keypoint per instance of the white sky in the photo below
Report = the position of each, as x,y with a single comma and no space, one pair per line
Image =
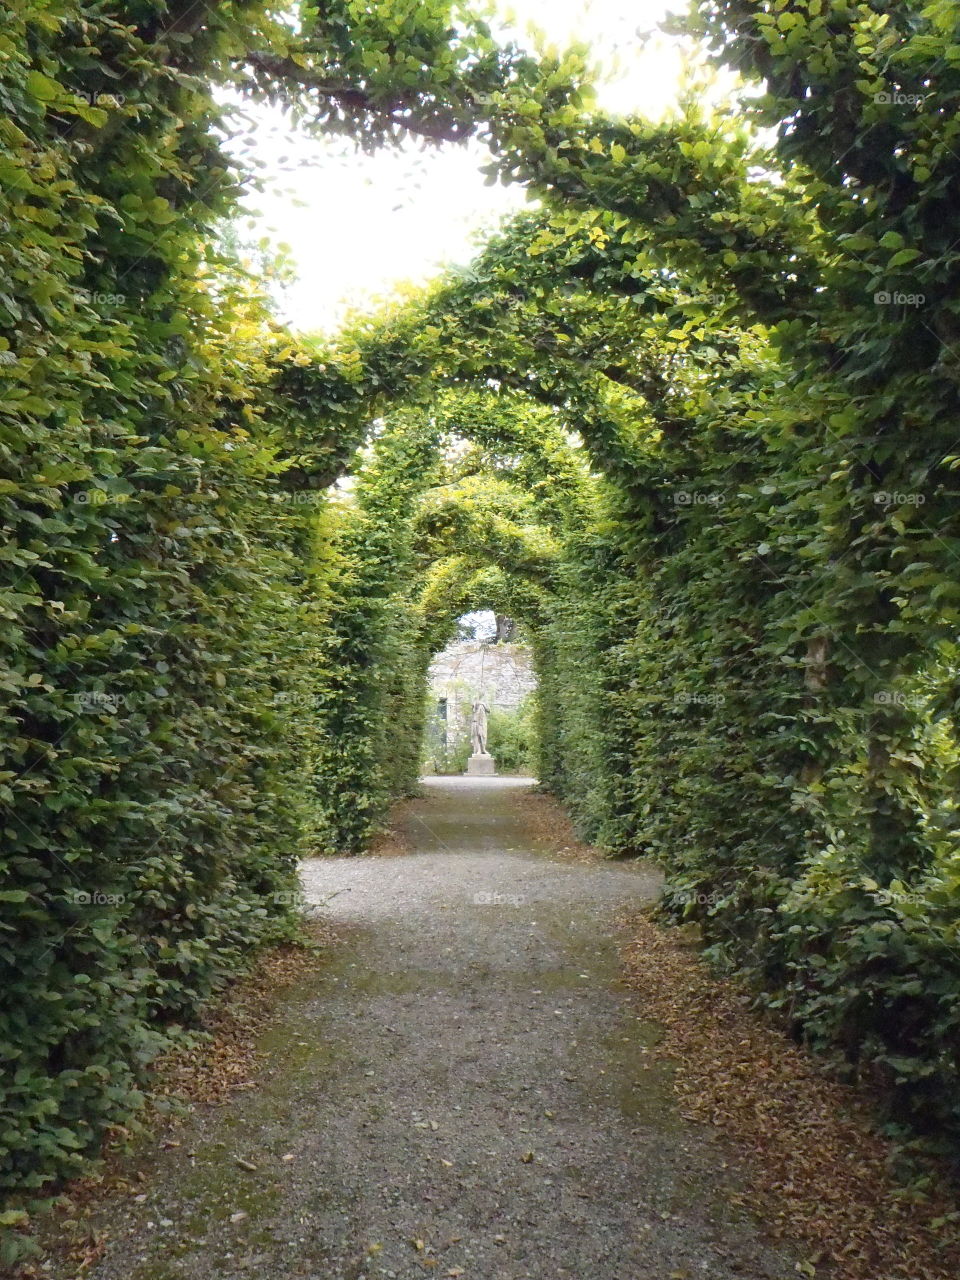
357,225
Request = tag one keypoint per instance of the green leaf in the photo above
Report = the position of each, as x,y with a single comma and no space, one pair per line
42,87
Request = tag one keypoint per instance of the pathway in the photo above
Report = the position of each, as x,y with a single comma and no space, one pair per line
463,1091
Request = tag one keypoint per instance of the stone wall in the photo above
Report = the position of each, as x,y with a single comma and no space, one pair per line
502,672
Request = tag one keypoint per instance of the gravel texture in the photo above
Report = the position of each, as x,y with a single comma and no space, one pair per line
463,1090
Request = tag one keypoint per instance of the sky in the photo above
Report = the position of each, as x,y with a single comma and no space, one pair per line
358,225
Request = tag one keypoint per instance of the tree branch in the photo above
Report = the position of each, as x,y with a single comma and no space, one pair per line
397,110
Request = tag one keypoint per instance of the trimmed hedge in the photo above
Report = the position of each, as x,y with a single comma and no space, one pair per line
160,452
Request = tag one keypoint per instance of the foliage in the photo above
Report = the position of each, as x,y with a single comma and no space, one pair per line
512,740
692,420
400,67
159,462
456,508
742,642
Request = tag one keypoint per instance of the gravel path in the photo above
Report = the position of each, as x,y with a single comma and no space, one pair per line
463,1091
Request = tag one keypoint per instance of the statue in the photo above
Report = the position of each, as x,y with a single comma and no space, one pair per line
478,727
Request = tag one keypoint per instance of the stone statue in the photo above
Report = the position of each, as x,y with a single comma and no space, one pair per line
478,727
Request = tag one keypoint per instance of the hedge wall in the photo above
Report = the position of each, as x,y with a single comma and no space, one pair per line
160,455
704,404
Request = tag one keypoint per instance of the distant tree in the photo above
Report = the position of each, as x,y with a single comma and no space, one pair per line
506,629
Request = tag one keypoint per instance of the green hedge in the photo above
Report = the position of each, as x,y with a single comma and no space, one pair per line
160,449
702,451
149,778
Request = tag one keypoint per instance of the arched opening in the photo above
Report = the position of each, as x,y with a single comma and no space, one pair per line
469,507
488,659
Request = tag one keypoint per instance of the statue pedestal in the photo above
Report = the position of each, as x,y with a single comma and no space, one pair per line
481,766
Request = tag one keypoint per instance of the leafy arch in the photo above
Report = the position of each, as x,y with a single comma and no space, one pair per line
467,501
